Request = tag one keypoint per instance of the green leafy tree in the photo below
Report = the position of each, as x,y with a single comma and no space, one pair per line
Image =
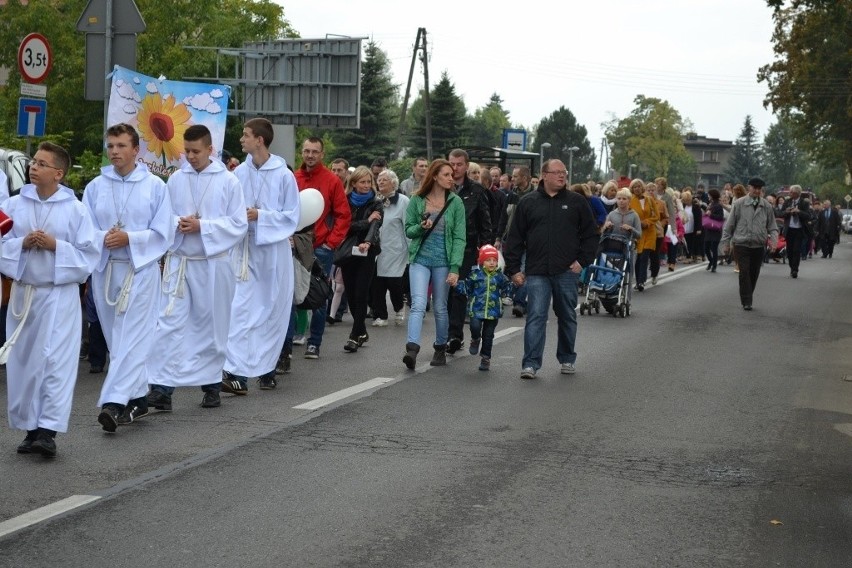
488,122
784,160
747,159
652,138
448,118
379,112
562,131
811,78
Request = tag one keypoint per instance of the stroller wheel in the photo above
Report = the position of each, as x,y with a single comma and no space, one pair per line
627,310
597,309
582,309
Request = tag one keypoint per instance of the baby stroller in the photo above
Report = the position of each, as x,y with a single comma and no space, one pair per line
780,254
609,277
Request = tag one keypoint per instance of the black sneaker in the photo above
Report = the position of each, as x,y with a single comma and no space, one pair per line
135,409
267,382
518,311
312,352
454,345
159,400
362,339
211,400
351,346
232,385
108,417
44,444
26,446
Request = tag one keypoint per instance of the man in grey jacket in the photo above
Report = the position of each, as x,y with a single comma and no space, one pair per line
750,224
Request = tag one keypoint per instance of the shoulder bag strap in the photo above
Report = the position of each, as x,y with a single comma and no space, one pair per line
435,222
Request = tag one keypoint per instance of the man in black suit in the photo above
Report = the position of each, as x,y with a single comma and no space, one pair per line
797,215
828,227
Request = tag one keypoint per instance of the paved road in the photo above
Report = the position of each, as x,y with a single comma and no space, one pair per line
688,429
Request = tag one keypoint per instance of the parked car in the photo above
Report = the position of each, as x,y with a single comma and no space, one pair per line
15,164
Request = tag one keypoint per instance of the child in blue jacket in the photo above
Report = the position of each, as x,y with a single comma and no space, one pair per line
485,287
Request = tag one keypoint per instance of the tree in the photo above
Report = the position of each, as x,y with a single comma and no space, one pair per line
652,138
811,78
488,123
448,117
747,159
379,113
784,160
562,132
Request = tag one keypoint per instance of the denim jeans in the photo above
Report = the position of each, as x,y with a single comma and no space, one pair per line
562,289
420,276
483,329
325,257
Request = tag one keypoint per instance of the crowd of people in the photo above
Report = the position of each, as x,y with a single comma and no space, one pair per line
196,282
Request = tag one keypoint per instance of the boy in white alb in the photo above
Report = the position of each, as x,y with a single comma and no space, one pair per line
49,252
260,312
198,278
132,214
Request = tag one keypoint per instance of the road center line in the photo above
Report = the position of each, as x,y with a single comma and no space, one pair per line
345,393
44,513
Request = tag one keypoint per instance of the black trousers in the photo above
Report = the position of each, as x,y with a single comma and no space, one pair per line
750,261
795,237
357,275
457,303
380,287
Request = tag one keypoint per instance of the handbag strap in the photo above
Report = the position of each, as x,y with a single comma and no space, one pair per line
434,223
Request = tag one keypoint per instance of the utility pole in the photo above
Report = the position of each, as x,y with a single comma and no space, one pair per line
419,46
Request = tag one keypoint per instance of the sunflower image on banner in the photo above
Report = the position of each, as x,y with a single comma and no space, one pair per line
162,110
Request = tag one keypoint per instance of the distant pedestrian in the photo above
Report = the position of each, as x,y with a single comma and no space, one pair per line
750,224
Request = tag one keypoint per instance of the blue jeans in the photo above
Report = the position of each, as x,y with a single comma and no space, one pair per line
419,277
483,329
562,288
326,258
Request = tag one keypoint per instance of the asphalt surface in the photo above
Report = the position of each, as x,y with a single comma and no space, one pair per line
692,434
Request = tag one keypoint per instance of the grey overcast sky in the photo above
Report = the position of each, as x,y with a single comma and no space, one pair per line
593,57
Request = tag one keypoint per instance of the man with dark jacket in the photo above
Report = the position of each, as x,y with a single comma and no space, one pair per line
828,228
479,232
797,216
555,230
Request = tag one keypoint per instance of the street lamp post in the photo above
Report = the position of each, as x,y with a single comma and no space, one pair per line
544,145
571,151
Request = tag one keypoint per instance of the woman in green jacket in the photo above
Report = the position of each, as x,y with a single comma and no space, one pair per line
435,223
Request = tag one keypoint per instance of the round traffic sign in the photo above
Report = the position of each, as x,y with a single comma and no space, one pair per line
35,58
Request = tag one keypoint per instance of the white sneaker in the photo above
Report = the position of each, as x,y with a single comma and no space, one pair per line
568,369
379,322
298,340
528,373
400,317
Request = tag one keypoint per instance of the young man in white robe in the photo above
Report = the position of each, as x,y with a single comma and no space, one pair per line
132,214
49,252
198,277
260,312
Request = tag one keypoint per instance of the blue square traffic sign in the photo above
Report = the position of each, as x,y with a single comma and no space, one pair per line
32,116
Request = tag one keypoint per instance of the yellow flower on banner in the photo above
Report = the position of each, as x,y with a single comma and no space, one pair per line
162,124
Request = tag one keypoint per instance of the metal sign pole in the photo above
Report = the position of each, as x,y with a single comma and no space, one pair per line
108,35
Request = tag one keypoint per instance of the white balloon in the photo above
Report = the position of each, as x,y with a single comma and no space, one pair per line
311,206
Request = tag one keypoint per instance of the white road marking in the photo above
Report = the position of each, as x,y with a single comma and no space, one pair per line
345,393
44,513
507,331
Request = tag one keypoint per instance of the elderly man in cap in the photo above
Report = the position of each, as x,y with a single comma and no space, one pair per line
750,224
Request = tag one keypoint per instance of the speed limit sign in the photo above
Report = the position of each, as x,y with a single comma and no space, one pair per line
34,58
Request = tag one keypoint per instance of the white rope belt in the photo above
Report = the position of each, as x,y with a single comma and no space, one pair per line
123,298
29,290
243,272
180,286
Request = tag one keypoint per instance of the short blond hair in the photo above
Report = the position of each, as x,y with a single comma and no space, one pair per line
624,192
